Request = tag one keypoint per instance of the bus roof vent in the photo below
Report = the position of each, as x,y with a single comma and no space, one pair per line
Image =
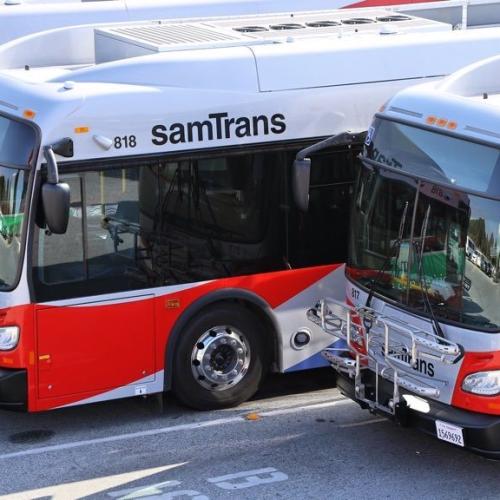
250,29
323,24
358,20
392,18
137,40
286,26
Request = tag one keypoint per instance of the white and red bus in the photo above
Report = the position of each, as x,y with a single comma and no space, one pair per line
148,238
422,320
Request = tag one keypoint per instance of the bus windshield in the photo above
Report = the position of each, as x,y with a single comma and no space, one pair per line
432,247
17,144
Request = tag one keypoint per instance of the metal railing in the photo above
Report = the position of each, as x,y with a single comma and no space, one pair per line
389,347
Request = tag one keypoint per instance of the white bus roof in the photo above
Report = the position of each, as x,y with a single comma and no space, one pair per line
123,79
22,17
469,99
326,31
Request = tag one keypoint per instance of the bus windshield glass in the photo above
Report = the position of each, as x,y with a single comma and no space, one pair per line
17,146
421,241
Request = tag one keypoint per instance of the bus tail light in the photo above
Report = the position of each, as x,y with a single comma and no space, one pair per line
483,383
9,337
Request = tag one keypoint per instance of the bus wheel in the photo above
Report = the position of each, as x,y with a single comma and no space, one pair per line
219,361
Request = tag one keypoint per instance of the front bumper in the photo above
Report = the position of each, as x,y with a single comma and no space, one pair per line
13,389
481,432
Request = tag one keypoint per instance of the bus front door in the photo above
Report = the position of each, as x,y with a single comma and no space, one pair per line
86,349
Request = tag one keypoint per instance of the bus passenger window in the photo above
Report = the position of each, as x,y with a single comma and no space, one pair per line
112,223
162,223
60,256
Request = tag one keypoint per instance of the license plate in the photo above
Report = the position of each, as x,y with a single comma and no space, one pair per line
450,433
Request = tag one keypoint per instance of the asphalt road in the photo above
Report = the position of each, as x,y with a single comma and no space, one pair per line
298,439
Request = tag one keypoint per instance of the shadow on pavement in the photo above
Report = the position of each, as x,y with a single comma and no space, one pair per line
285,384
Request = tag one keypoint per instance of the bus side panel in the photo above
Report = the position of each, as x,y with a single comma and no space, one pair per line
276,289
95,347
97,351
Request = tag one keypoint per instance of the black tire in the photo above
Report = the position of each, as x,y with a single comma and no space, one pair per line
185,385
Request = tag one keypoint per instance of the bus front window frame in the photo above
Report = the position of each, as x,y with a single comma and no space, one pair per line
28,169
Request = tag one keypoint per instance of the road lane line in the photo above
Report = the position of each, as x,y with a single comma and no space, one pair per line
364,422
315,406
166,430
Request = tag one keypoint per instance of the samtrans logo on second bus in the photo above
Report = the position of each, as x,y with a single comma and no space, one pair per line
218,126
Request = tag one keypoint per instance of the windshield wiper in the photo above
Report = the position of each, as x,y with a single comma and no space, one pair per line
421,273
392,251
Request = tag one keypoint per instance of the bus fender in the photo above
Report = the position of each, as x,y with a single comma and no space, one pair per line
226,294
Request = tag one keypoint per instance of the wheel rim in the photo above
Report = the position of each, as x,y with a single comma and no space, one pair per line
220,358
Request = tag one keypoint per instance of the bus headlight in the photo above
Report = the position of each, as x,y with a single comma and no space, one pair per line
9,337
483,383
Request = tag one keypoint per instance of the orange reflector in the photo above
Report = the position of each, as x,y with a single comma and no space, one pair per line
441,122
81,130
452,125
173,304
431,120
29,114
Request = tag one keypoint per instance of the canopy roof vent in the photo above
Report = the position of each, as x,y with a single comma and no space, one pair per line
125,41
137,40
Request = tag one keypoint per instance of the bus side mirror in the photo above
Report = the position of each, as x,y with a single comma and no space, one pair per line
300,182
55,196
55,201
302,165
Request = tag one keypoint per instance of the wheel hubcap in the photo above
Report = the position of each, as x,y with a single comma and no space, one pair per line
220,358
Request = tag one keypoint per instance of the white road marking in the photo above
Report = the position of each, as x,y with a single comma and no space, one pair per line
364,422
315,406
155,492
248,479
167,430
81,489
195,495
143,491
236,481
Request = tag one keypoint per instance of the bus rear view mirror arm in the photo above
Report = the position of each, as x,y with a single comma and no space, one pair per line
302,164
55,196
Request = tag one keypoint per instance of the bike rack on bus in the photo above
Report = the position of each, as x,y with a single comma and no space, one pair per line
387,346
